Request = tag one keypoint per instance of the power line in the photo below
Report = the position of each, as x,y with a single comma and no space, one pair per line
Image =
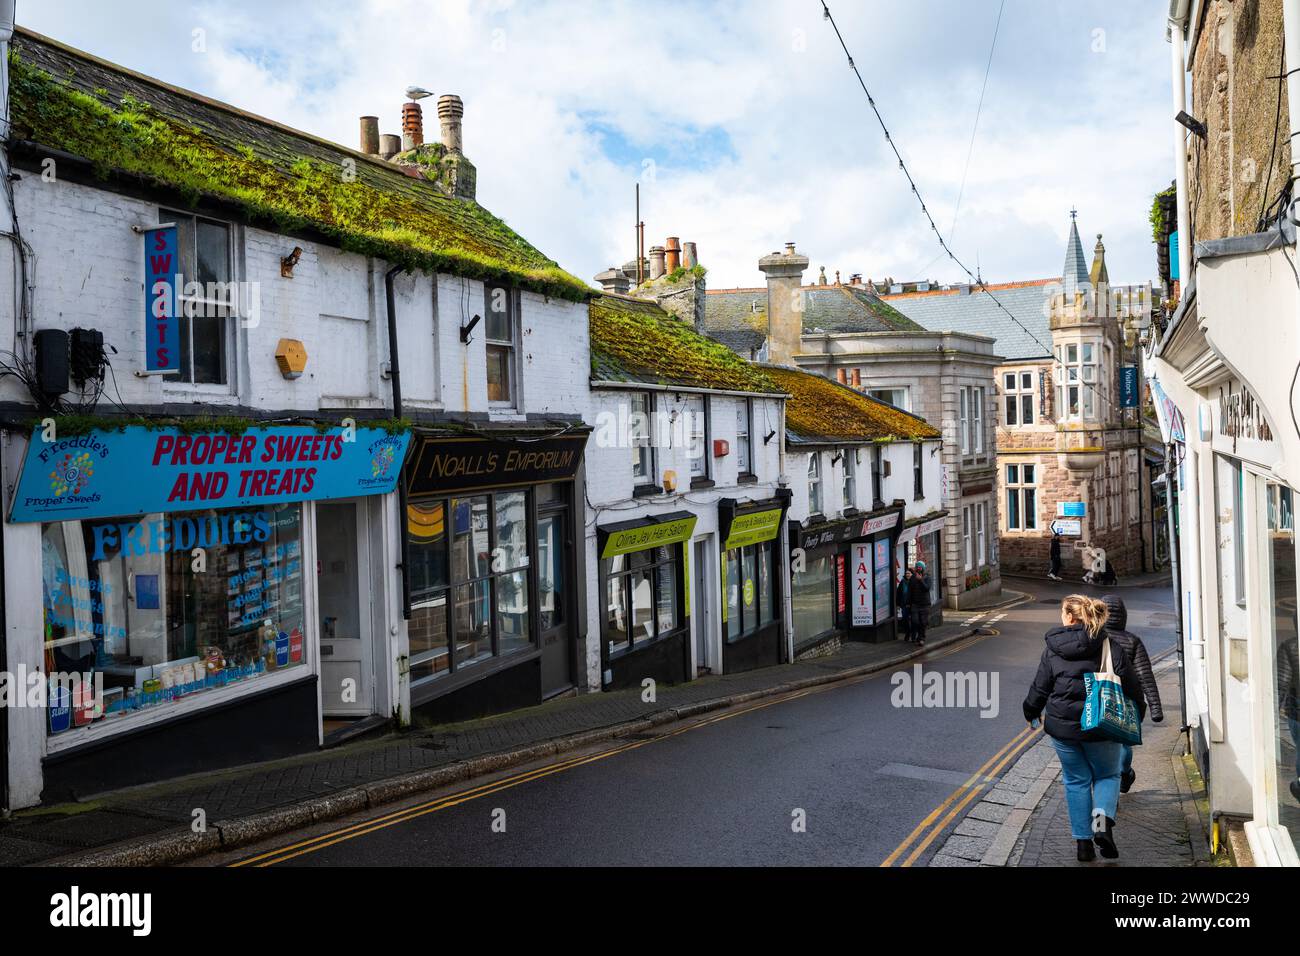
976,281
979,108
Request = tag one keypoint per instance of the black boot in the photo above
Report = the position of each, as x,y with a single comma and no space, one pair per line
1126,780
1086,854
1106,841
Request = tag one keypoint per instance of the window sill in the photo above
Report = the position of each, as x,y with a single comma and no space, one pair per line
438,685
644,643
697,483
851,512
746,478
646,491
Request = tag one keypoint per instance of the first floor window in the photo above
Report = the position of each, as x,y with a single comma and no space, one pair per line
1018,398
123,605
499,334
1076,381
815,483
748,593
1022,497
1114,481
469,560
918,471
207,300
744,450
892,396
877,476
850,491
639,427
642,597
697,432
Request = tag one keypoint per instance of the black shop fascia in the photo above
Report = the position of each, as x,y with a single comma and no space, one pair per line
491,590
861,552
752,581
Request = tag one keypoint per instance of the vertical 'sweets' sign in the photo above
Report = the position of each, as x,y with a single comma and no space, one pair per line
161,273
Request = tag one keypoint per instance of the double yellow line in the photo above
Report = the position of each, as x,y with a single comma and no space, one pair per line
928,829
285,853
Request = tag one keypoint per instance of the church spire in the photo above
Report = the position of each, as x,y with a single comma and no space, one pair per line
1075,274
1098,276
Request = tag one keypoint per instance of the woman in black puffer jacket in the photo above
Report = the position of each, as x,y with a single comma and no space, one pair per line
1090,761
1136,652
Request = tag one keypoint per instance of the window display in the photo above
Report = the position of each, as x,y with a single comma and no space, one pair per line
642,597
154,608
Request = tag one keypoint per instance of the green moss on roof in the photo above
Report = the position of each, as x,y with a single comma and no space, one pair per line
636,341
377,214
820,410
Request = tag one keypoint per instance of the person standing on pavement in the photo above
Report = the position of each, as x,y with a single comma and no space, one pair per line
902,598
918,602
1054,572
1136,652
1090,761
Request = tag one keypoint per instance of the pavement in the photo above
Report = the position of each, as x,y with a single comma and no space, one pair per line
208,813
1023,820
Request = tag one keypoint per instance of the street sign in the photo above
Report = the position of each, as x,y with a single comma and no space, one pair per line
1068,527
1072,509
1128,387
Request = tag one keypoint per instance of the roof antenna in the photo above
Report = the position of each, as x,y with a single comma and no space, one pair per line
979,276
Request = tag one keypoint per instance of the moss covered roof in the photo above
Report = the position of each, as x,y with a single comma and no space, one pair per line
634,340
820,411
125,123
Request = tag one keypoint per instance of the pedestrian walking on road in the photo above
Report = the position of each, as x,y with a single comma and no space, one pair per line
1136,652
918,602
1055,571
902,598
1090,761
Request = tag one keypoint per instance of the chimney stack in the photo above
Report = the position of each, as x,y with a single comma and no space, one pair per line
657,256
614,279
857,378
672,254
690,255
412,125
390,144
450,112
842,376
785,308
370,135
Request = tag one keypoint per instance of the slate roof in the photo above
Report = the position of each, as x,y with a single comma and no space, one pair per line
975,312
820,412
636,341
145,132
738,317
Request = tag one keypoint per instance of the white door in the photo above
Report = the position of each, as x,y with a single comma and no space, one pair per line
346,648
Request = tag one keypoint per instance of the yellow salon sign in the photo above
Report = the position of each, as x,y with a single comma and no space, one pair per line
753,528
648,536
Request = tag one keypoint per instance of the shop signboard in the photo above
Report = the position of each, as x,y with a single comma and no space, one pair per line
1128,386
882,523
754,528
1068,527
863,582
1072,509
646,536
921,530
883,577
141,470
440,464
162,268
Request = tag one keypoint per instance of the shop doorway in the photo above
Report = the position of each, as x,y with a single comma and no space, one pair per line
702,586
346,645
553,587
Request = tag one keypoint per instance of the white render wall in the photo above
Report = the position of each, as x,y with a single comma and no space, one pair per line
88,272
897,484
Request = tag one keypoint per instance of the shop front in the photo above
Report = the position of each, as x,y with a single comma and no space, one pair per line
644,577
921,541
753,632
165,579
493,589
842,580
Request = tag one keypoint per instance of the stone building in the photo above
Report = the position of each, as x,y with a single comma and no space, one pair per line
846,332
1070,437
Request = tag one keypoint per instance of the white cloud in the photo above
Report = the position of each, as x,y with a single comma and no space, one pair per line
757,129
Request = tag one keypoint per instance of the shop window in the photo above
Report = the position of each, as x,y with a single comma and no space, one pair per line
813,592
642,597
1281,572
815,484
207,298
1018,398
749,595
125,606
499,334
744,446
469,560
1022,497
639,426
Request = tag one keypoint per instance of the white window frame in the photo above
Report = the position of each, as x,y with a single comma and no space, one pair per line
1077,368
904,391
513,309
642,444
697,437
964,420
1133,480
815,501
1114,479
977,421
183,304
744,441
1017,397
1016,485
981,533
849,487
967,552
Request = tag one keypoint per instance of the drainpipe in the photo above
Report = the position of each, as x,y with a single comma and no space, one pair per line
1177,26
395,377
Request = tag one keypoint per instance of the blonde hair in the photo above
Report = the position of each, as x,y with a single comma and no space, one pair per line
1089,611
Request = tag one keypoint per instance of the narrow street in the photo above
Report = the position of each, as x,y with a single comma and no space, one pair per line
865,773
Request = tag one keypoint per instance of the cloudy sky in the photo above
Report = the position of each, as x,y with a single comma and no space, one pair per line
740,118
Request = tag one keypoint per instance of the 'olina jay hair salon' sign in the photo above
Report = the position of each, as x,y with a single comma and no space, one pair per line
138,470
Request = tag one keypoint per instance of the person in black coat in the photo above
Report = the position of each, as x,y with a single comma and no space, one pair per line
902,599
1054,572
1091,762
1136,652
918,602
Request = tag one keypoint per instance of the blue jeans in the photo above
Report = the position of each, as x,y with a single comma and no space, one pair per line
1127,763
1091,771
